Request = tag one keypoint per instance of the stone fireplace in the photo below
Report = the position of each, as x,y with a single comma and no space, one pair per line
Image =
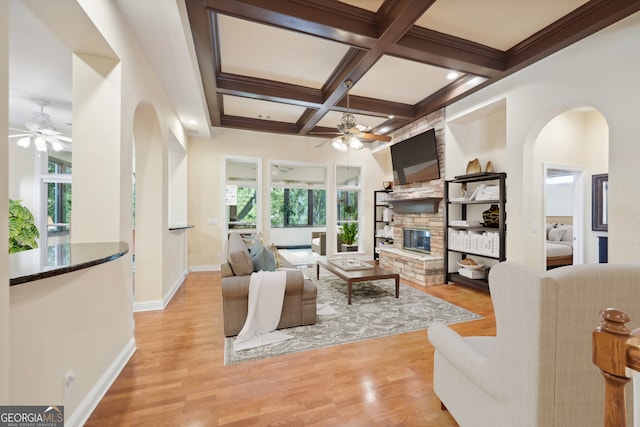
416,239
419,206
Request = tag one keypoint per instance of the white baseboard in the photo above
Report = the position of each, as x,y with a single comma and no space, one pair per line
213,267
167,298
160,304
97,392
156,304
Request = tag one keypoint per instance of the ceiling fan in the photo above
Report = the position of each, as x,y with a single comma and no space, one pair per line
351,133
40,131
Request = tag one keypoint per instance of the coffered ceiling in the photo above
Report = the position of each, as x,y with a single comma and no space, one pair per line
280,65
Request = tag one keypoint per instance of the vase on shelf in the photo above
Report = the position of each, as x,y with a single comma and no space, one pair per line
491,216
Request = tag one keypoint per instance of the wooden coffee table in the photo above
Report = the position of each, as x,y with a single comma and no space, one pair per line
352,276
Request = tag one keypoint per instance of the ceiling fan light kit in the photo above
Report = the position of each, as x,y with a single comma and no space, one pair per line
40,131
350,130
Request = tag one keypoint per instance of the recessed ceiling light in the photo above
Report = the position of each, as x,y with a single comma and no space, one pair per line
452,75
391,117
192,122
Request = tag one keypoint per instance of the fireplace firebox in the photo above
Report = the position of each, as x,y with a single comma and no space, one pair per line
416,239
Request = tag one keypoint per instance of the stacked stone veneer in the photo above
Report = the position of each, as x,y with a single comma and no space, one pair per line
421,269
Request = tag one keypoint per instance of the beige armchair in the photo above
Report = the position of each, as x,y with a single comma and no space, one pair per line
319,242
537,371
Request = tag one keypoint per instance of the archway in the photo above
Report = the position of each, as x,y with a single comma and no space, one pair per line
568,150
150,207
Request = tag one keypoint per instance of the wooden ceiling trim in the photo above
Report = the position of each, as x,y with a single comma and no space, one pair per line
258,125
334,90
304,119
398,19
200,23
377,107
389,31
445,96
328,19
269,90
582,22
442,50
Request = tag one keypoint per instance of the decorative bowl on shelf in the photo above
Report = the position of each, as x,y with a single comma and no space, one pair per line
475,266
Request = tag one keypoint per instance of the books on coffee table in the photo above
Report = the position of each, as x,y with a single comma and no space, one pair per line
350,263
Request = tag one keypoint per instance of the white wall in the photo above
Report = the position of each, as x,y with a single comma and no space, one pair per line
597,72
4,205
79,322
206,182
111,79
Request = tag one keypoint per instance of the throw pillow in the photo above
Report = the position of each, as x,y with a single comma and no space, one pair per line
254,245
276,255
555,234
549,228
239,258
263,260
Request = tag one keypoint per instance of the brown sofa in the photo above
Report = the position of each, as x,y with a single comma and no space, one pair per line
299,306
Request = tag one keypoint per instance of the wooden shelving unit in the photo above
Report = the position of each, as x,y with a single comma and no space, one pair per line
492,235
381,199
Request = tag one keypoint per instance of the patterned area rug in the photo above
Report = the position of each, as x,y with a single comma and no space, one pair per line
374,312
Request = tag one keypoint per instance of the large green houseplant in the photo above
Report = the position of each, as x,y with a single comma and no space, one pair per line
23,234
349,230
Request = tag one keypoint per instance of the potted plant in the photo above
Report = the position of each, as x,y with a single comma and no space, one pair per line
349,230
23,234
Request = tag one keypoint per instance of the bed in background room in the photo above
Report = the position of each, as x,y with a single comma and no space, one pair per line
559,244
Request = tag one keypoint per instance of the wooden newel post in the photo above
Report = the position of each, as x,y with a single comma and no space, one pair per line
610,356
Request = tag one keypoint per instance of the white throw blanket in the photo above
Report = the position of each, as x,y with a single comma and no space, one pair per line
266,295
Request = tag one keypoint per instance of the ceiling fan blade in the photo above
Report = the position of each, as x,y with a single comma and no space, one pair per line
20,135
328,141
63,138
50,132
55,143
373,136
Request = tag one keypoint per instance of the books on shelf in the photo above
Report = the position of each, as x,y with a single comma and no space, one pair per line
477,242
488,192
464,223
473,274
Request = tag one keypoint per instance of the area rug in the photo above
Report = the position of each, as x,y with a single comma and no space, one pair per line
374,312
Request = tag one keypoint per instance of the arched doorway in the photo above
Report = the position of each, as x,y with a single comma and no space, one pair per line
150,207
569,149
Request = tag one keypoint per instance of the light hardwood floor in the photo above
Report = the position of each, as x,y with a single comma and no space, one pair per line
177,376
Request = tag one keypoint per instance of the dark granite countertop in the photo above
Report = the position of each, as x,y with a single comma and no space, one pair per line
180,227
36,264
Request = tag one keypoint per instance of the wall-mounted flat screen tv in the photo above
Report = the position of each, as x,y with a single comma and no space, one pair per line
415,159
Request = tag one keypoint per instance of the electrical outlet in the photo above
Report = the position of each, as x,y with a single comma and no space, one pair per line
69,378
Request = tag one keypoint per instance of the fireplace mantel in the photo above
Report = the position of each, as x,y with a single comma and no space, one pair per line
416,205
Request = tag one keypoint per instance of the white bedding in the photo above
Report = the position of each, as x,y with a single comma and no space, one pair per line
555,249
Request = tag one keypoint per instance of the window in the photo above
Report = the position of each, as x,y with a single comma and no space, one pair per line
292,207
241,194
57,194
298,195
348,195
